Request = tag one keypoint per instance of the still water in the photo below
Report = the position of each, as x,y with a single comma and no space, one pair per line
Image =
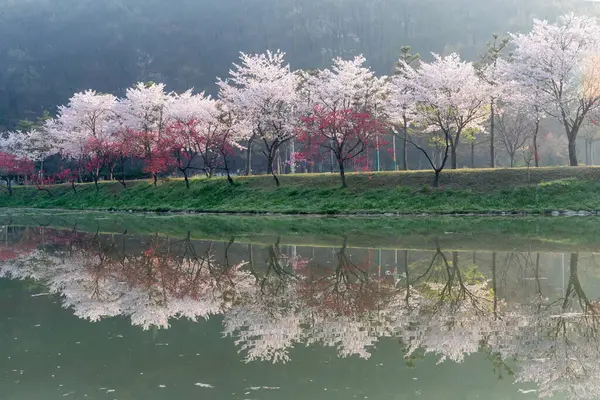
131,313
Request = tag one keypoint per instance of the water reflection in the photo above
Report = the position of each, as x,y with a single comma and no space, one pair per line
534,315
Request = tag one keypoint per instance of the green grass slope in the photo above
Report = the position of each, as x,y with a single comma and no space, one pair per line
462,191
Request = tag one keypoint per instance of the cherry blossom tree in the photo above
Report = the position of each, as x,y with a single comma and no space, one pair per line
185,113
261,91
160,158
98,156
86,116
82,130
344,103
67,175
347,85
144,112
182,146
35,145
560,63
450,100
346,133
13,168
204,127
120,149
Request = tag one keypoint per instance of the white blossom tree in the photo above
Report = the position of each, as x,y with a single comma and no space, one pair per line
262,92
86,116
450,101
561,63
348,85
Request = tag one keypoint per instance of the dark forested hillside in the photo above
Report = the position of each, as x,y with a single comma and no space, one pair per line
52,48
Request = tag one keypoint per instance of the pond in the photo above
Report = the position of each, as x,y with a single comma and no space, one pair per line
120,306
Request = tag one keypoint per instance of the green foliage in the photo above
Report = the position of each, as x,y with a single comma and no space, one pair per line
26,125
463,191
408,57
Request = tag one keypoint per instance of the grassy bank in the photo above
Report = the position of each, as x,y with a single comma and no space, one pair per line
450,233
463,191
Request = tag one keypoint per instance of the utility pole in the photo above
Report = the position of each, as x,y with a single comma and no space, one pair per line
394,163
292,157
377,153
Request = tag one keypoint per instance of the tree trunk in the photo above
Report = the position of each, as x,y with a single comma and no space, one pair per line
512,159
342,174
572,151
492,149
9,186
155,179
226,167
473,154
122,180
536,155
270,170
73,187
453,161
186,179
436,180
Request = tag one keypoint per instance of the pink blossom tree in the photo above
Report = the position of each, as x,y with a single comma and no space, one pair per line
13,168
202,127
120,149
345,132
144,113
67,175
342,107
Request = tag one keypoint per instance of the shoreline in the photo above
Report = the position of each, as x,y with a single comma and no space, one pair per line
514,214
494,233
